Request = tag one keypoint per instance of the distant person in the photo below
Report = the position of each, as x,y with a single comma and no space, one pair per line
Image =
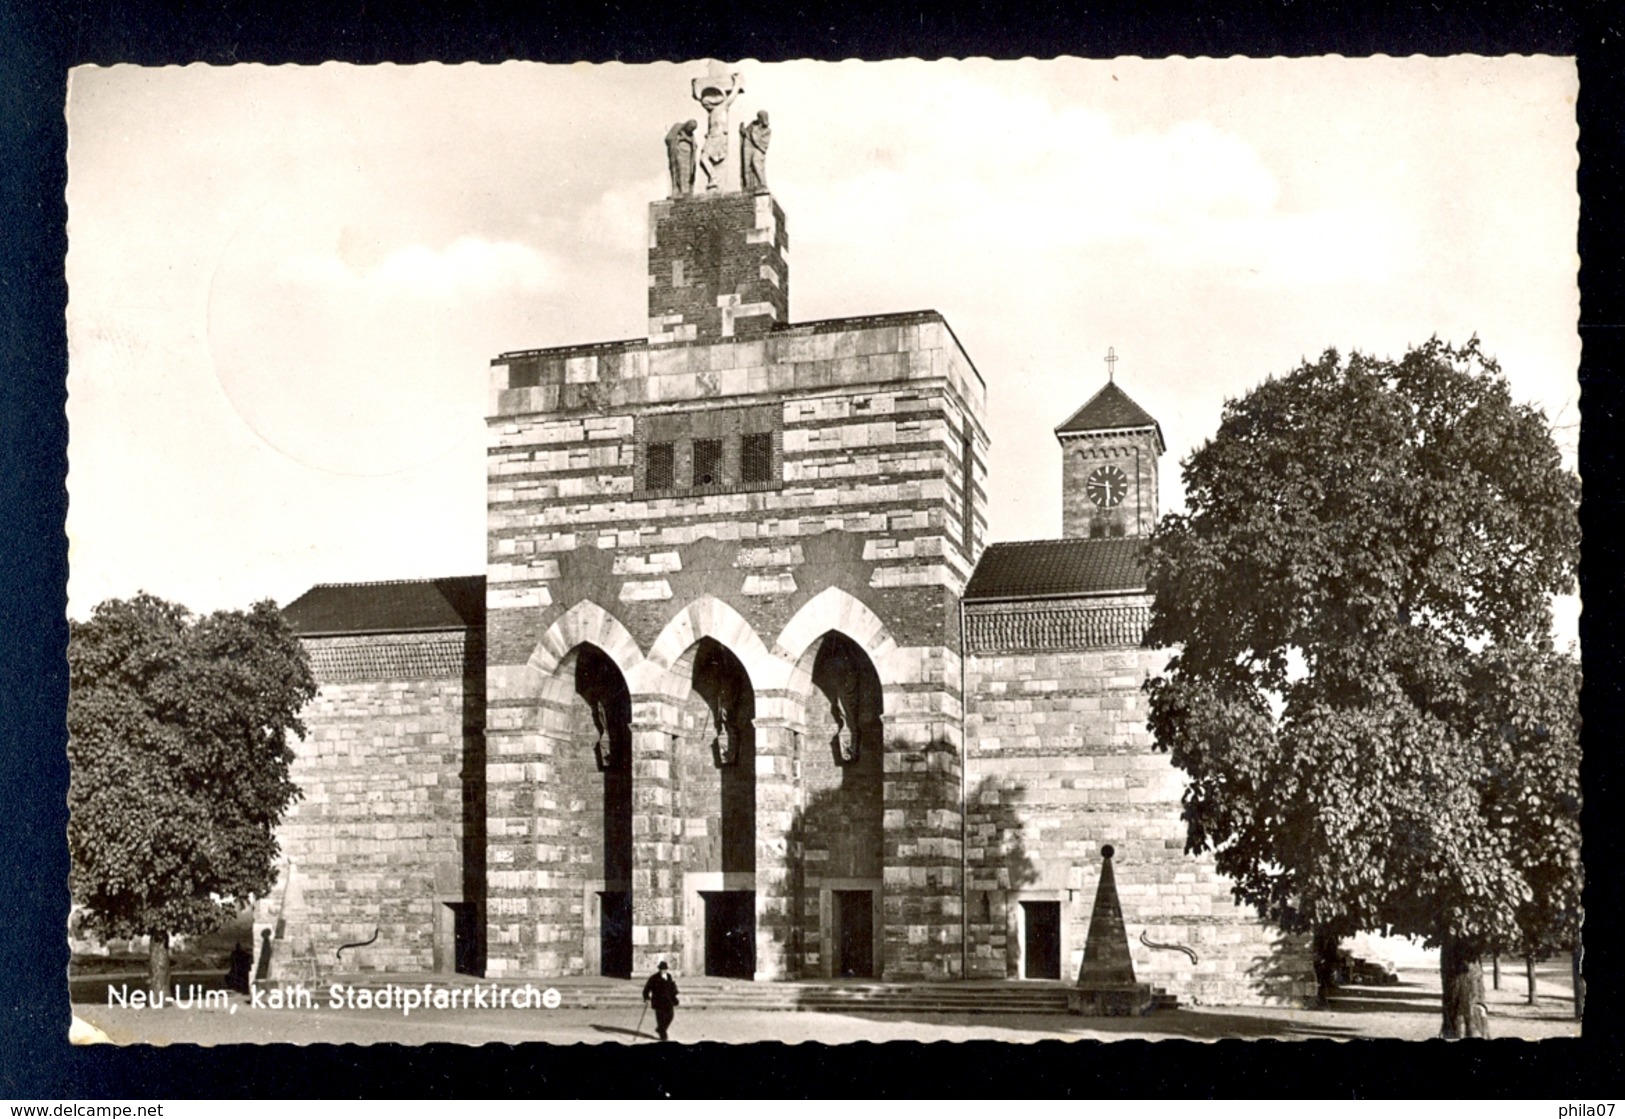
242,965
262,965
660,992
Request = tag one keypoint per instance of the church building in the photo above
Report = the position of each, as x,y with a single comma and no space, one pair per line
743,686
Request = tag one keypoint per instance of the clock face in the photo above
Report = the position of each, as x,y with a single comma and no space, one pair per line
1107,487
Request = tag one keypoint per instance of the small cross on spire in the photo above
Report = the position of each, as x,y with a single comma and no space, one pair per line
1111,362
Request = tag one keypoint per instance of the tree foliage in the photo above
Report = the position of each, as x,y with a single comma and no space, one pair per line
179,762
1376,731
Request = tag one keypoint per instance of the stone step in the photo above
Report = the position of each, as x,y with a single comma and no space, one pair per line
709,992
705,992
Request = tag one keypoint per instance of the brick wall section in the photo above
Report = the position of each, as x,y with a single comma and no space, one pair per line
1060,763
390,769
717,267
1132,452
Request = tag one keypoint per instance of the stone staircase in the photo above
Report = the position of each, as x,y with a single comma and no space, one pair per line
828,996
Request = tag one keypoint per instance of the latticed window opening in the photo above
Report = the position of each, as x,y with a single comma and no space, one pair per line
708,462
756,457
661,472
709,450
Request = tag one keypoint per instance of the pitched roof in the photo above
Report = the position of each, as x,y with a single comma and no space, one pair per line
402,606
1110,409
1053,568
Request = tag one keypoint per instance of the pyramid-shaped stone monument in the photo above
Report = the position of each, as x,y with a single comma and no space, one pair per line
1106,986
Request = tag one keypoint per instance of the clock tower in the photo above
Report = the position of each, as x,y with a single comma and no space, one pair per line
1109,452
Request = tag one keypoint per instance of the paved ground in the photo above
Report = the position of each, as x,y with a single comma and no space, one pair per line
1409,1010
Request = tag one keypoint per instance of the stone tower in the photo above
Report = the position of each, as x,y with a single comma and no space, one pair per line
1109,451
722,610
717,266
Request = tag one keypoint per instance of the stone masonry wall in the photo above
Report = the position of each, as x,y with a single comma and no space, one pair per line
390,771
1060,762
564,866
867,498
868,491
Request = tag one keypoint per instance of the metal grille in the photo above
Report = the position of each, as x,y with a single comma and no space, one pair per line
708,462
660,472
756,457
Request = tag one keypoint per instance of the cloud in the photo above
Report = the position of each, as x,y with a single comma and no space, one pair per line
355,355
1010,172
619,217
468,267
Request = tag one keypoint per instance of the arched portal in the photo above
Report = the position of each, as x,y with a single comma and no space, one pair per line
715,793
840,824
602,690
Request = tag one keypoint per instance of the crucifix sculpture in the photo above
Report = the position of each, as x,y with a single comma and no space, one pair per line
715,92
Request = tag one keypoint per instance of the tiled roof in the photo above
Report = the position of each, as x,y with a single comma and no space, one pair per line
1110,409
1044,568
403,606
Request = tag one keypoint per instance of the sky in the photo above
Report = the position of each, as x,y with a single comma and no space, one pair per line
286,284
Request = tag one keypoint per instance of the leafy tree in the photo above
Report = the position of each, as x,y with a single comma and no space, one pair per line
1375,730
179,764
1531,726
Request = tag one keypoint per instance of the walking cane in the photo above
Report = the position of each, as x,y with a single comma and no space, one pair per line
639,1030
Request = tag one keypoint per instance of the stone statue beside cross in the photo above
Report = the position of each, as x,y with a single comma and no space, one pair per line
716,92
753,141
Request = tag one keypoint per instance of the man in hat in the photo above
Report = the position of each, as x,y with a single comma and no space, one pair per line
660,992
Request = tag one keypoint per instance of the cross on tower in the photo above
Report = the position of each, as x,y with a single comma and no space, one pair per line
715,92
1111,362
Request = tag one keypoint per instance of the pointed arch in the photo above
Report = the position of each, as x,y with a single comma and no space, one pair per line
835,609
588,622
708,616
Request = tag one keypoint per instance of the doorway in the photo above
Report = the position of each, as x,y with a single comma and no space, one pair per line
456,938
730,933
1041,942
854,934
615,934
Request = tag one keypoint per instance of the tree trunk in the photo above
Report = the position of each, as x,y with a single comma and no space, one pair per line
1495,971
1324,945
1461,975
158,964
1529,974
1576,964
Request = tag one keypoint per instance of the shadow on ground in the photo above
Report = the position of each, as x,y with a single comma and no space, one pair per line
1402,999
621,1030
1189,1024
